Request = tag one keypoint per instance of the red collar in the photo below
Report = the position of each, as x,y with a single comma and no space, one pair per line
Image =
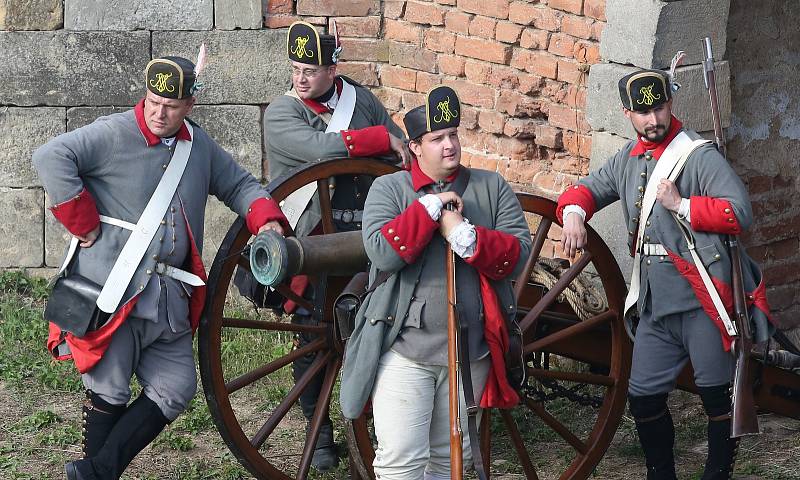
643,146
420,180
151,138
320,108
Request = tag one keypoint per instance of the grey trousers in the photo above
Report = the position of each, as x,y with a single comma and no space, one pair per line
663,345
162,360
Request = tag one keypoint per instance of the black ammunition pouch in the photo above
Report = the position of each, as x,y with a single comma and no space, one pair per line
72,305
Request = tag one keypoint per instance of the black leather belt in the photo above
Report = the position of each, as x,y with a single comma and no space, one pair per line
348,216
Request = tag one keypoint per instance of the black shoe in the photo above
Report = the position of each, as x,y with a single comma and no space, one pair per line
326,456
99,418
721,451
80,470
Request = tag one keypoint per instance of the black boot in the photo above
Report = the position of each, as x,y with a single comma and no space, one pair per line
325,455
99,417
721,448
139,425
656,435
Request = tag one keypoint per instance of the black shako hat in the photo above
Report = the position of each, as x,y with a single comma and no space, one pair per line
170,77
645,89
305,45
442,110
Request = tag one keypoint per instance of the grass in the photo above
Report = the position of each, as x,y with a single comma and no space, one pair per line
40,428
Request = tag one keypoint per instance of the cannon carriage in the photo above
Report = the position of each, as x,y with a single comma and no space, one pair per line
578,358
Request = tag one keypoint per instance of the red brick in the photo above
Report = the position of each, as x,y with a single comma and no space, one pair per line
586,52
482,27
456,21
439,40
548,19
576,26
523,13
490,8
451,65
516,149
541,64
507,32
367,49
424,13
549,136
782,296
447,2
488,50
469,117
782,273
535,39
279,6
280,21
357,26
578,145
564,117
483,162
575,97
391,98
530,84
561,45
364,73
393,9
597,30
410,56
595,9
517,105
571,72
502,76
403,32
572,6
477,140
426,81
412,100
398,77
473,93
519,128
336,8
478,72
491,121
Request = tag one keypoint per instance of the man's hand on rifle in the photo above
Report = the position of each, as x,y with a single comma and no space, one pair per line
452,198
573,235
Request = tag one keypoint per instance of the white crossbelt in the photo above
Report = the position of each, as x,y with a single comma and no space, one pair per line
652,249
295,204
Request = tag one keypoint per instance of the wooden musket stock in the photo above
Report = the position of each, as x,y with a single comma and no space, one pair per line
456,452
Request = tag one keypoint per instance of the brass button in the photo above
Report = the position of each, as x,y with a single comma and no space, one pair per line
141,287
390,318
648,261
661,258
155,257
717,256
730,220
648,223
727,210
402,248
391,231
149,272
250,209
630,233
172,209
505,264
349,137
163,222
643,174
648,156
396,238
638,205
575,187
500,271
635,220
641,188
164,167
646,238
331,185
350,147
373,322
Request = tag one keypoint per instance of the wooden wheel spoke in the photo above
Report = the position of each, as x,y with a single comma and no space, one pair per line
576,329
557,426
272,326
578,377
260,372
536,249
287,293
316,421
557,289
326,208
519,445
283,408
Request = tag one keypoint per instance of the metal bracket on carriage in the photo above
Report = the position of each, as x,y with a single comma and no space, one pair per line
274,258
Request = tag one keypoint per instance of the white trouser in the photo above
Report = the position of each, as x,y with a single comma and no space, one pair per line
412,424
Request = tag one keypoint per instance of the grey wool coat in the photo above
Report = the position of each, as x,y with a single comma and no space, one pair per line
295,136
488,201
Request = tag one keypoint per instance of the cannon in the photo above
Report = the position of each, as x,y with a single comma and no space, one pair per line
578,360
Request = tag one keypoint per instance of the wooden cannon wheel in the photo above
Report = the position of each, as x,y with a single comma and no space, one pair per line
566,357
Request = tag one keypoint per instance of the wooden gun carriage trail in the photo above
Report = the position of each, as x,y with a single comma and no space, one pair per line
583,363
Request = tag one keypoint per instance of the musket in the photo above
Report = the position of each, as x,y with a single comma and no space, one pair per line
744,417
456,449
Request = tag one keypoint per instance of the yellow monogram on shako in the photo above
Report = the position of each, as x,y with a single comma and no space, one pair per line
161,82
300,48
648,98
445,114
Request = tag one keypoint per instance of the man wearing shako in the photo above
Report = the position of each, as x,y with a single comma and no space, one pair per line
675,189
397,354
323,116
132,188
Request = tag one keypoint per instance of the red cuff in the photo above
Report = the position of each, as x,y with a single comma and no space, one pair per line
78,214
714,215
496,253
366,142
579,195
262,211
410,232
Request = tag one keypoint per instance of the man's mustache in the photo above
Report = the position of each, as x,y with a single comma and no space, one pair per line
655,128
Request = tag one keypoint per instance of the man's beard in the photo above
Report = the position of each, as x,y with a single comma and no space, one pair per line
654,134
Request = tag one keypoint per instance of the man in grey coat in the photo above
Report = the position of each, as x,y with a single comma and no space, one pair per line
101,179
324,116
397,354
664,206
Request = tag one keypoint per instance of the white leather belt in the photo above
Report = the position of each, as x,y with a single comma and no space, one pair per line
653,249
178,274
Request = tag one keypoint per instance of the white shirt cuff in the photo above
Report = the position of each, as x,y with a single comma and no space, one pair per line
463,239
685,209
573,209
433,205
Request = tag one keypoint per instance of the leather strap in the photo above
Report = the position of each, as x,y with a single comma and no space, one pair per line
652,249
469,398
146,228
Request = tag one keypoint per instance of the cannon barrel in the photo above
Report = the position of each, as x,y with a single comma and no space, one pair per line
274,258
